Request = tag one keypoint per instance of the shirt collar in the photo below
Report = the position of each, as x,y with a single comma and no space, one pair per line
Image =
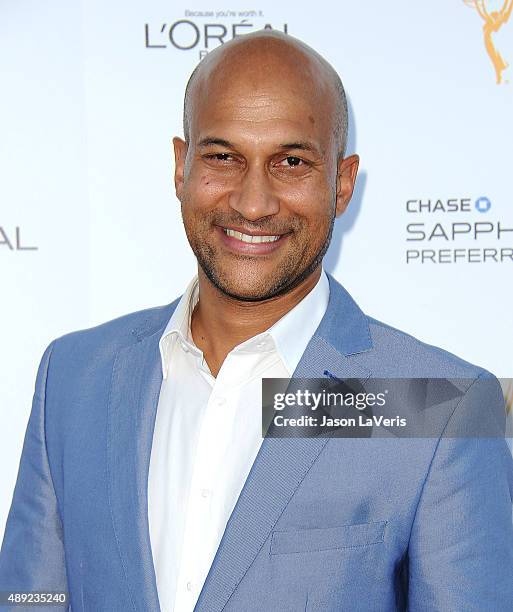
289,335
179,325
294,330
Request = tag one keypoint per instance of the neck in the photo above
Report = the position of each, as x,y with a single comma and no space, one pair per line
219,322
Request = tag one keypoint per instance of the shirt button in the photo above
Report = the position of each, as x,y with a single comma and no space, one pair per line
220,401
188,586
205,492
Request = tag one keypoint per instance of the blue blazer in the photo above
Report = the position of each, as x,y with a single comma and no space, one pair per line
322,524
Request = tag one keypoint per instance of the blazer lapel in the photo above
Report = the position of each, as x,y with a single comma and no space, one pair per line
135,387
282,463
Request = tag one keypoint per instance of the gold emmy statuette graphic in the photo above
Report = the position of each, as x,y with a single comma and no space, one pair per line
493,22
507,390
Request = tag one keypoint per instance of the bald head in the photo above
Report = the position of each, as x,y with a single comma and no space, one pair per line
254,62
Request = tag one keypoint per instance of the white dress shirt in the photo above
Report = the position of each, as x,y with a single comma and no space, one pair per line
207,434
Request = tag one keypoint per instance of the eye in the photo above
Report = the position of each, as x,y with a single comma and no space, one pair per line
219,157
291,161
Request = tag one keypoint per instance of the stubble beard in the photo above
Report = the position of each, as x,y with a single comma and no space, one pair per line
284,279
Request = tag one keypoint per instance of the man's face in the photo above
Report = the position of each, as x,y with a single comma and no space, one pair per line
260,184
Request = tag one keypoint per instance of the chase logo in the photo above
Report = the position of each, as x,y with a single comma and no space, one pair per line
483,204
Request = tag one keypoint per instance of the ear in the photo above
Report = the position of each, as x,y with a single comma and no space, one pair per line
180,147
346,177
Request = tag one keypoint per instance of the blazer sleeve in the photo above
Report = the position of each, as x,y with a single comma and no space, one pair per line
32,555
461,546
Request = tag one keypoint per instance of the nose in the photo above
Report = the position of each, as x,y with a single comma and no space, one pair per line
253,197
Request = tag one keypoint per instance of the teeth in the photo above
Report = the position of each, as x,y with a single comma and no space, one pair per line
247,238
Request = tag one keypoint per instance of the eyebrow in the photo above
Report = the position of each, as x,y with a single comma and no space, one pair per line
210,141
302,145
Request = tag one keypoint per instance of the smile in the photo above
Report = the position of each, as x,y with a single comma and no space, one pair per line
249,238
253,245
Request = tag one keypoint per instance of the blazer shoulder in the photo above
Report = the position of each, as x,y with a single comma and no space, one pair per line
410,356
116,333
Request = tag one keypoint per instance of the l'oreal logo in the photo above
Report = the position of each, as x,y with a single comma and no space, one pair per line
12,240
187,35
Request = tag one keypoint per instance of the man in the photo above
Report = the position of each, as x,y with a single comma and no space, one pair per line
144,483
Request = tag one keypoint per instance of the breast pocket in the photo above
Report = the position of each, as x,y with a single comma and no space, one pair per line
311,540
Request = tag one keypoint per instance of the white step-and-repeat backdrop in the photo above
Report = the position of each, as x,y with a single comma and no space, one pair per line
91,95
